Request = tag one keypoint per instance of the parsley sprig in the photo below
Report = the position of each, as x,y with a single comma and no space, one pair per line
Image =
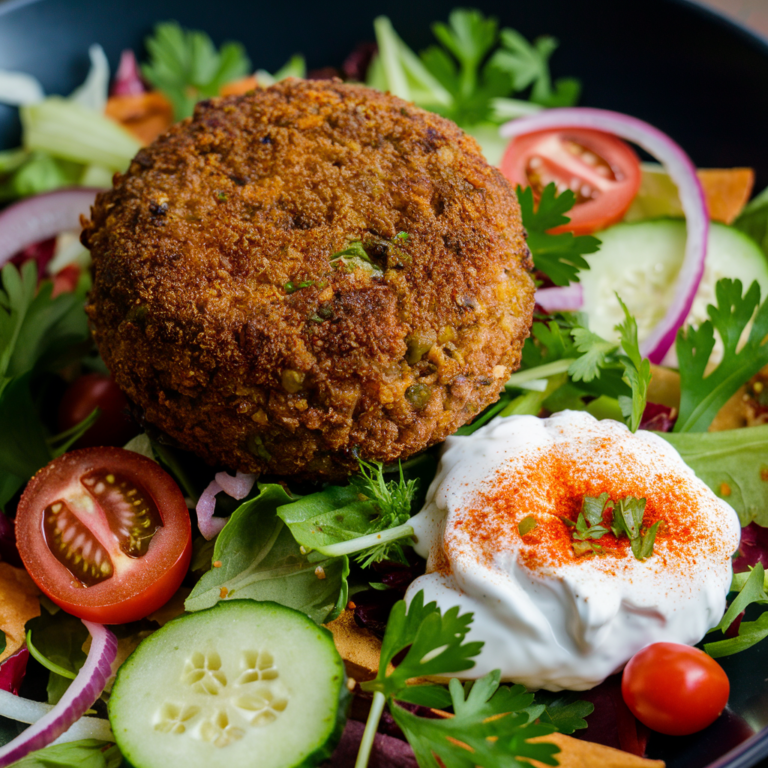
491,724
560,257
589,525
626,520
594,367
703,394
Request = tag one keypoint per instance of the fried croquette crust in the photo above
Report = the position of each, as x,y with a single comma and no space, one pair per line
220,309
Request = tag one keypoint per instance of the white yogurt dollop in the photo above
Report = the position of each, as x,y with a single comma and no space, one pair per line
549,618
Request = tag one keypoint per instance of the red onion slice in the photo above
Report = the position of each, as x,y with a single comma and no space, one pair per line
237,487
81,694
42,216
680,169
569,298
209,525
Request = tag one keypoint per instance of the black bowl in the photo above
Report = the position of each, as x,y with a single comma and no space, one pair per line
697,77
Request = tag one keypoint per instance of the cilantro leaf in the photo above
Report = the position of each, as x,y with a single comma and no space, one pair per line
529,65
593,352
637,370
628,521
490,727
435,644
186,67
564,710
594,507
560,257
701,394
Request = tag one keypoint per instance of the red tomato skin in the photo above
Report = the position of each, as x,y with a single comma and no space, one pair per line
155,576
593,215
674,689
97,390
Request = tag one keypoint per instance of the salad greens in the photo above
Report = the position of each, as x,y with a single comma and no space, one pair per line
368,517
732,463
186,66
86,753
751,588
472,74
753,220
39,334
491,724
258,558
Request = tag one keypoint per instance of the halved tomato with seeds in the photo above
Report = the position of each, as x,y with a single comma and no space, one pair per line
105,533
600,169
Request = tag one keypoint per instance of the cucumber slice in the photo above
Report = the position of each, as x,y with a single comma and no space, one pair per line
640,261
244,683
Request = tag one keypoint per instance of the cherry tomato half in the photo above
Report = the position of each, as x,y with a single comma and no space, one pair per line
97,390
601,169
674,689
105,533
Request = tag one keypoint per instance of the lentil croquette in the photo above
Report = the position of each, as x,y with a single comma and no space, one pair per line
309,273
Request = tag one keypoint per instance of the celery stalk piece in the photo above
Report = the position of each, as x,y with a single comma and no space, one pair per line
405,74
73,132
94,91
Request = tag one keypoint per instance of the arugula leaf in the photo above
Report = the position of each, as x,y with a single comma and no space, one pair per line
733,464
261,560
752,589
637,371
490,727
702,395
560,257
369,517
85,753
750,633
186,67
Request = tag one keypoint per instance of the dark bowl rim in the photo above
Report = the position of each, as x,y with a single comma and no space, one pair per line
748,753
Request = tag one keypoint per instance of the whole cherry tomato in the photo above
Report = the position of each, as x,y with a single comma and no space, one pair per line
674,689
105,533
97,390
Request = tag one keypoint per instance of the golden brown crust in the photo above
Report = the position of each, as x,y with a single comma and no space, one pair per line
194,247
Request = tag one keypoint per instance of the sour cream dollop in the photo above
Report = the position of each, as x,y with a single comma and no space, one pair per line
549,618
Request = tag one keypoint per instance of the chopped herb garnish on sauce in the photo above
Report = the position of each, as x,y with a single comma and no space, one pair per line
626,520
526,525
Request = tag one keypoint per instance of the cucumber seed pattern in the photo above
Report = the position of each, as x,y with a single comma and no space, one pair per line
224,697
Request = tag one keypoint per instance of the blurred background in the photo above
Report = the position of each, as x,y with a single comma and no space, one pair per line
751,13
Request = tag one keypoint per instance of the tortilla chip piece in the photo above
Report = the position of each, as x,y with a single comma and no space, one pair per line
727,191
19,604
576,753
359,647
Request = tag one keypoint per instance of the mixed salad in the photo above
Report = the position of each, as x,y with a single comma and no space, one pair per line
649,313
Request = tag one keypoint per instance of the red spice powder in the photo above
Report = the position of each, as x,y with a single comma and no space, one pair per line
550,483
